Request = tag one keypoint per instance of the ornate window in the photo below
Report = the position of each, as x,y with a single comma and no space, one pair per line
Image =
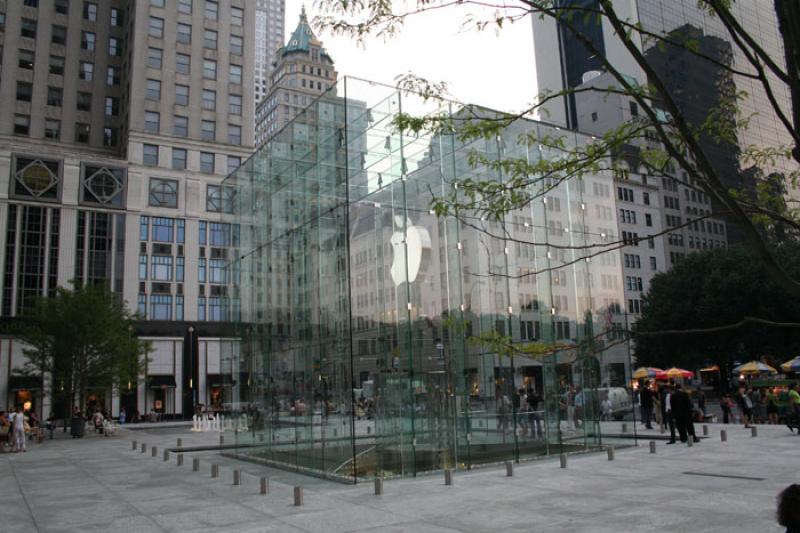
39,178
103,185
220,199
163,193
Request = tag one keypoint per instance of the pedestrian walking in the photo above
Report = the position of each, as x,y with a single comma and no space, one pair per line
681,407
725,404
646,403
18,431
772,406
745,405
669,418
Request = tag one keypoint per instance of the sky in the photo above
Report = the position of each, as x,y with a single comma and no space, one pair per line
491,68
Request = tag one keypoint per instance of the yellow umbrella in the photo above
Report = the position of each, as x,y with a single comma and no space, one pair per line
792,365
675,373
753,368
646,372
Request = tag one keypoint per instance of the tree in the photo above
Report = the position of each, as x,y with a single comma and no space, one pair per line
82,338
685,141
712,291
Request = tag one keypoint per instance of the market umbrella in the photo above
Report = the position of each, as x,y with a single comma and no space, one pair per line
753,368
674,373
791,366
712,368
646,372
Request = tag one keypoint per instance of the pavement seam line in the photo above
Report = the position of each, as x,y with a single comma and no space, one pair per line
22,493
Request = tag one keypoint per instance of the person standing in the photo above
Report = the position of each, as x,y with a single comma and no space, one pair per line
669,419
646,403
534,418
18,431
772,406
681,406
794,403
725,405
122,416
745,405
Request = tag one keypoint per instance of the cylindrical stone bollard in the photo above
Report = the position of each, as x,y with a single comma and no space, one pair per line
237,477
180,459
448,476
705,430
144,447
661,429
610,453
215,470
221,440
166,455
509,469
378,486
723,436
298,496
264,485
180,442
153,451
652,446
753,431
563,460
195,465
133,446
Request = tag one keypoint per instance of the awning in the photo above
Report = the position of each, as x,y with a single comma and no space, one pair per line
158,382
24,383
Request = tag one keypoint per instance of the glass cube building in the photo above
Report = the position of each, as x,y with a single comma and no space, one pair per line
356,354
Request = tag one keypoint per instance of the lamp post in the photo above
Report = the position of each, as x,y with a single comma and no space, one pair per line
191,368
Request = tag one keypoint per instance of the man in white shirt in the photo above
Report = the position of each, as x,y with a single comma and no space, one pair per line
18,431
670,419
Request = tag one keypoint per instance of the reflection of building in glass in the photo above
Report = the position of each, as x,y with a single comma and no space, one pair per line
359,304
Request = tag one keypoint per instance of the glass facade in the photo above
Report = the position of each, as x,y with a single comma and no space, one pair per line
360,307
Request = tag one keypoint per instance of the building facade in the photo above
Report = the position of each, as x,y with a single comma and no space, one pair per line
120,119
302,72
270,24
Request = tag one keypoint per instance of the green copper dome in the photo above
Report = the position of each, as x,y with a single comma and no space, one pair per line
301,38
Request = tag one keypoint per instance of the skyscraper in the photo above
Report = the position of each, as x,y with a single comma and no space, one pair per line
270,21
118,122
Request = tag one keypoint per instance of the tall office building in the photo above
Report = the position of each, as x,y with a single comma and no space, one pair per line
270,20
119,120
303,71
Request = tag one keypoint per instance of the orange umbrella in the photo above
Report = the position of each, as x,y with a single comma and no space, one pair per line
674,373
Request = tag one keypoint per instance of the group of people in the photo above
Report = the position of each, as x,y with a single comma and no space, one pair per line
760,405
15,428
672,408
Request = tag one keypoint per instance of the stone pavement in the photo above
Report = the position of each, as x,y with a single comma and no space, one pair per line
100,484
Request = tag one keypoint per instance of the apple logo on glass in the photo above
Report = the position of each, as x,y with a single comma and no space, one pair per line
417,245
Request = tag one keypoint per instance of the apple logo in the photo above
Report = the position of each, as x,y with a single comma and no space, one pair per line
408,251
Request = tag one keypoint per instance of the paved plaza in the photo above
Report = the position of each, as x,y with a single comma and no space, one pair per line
100,484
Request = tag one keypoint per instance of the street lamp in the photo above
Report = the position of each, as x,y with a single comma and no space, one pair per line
191,367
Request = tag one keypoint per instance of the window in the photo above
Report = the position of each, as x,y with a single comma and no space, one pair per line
112,76
178,159
210,39
646,198
24,91
152,121
185,6
179,267
182,94
32,3
182,64
653,264
142,267
184,33
180,126
219,234
212,9
62,6
234,162
235,76
157,3
163,229
160,307
28,28
648,219
57,65
153,90
163,193
55,96
112,106
234,104
209,69
234,134
150,155
208,130
207,162
209,99
219,199
237,45
161,268
52,129
26,59
88,40
86,72
110,136
102,185
155,57
156,27
90,11
237,16
634,109
217,271
82,133
116,17
594,116
114,47
58,35
22,124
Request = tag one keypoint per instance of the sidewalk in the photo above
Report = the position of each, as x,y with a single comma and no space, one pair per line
100,484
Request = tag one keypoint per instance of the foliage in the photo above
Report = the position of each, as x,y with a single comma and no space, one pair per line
712,289
81,338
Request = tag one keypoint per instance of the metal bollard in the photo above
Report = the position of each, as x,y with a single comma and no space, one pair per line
448,476
144,447
133,446
661,429
237,477
214,470
753,431
180,459
705,430
166,455
195,465
652,446
610,453
298,496
264,485
509,469
180,442
723,436
378,486
690,441
221,440
563,460
153,451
